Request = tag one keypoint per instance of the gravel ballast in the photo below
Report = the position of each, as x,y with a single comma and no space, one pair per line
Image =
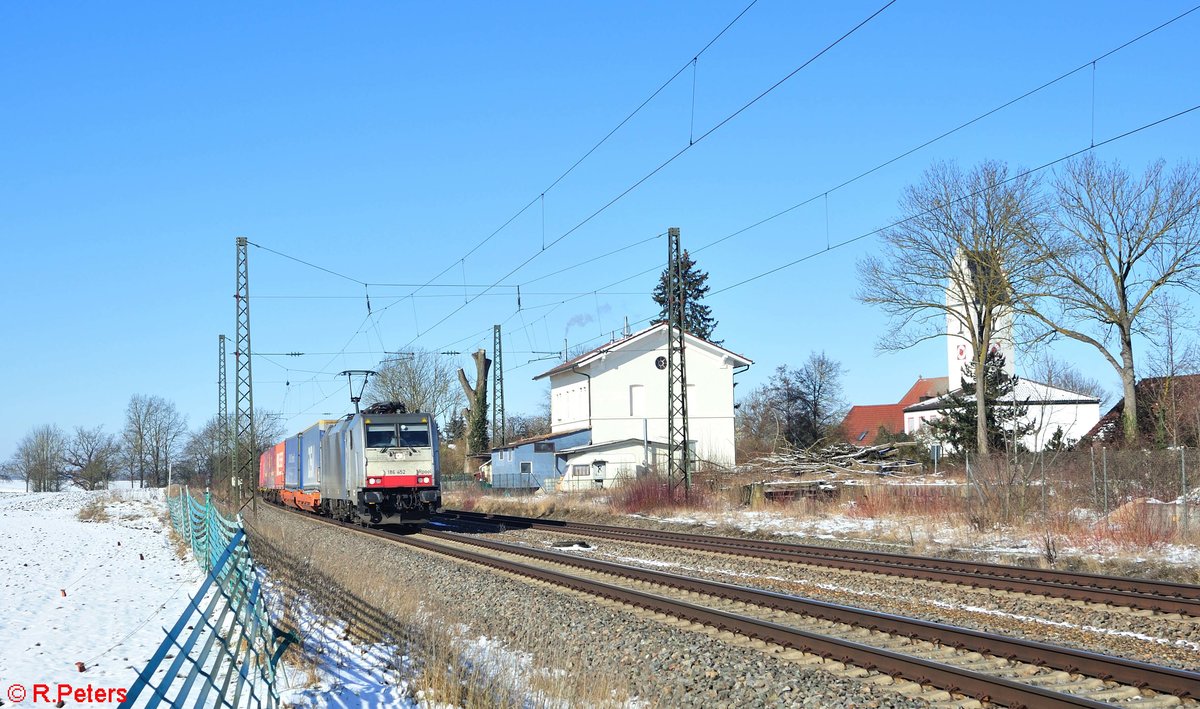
1159,639
652,662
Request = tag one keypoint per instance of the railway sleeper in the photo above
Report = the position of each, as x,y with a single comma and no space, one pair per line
1000,667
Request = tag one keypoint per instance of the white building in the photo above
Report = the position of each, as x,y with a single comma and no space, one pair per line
618,392
1049,407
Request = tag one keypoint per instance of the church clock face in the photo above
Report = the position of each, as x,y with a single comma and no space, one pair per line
660,362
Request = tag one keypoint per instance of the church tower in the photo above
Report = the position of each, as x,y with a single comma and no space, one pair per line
967,278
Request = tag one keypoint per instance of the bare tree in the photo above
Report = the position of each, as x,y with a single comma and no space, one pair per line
1047,369
204,453
518,426
38,459
958,258
759,428
798,406
153,437
1175,354
1121,239
268,429
423,380
476,411
92,457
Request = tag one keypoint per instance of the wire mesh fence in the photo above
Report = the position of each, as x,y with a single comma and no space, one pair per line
224,650
1113,486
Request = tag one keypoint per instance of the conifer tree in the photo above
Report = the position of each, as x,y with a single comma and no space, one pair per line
697,317
1006,417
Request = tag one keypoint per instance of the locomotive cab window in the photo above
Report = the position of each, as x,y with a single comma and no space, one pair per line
381,436
414,436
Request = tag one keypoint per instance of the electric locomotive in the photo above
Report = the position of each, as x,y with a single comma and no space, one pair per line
379,466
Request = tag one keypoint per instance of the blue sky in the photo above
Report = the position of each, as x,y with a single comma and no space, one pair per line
385,141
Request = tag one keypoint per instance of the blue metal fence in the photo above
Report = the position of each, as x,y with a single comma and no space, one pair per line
224,649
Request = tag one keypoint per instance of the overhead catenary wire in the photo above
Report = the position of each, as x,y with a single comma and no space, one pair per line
825,193
541,196
634,186
1023,173
1017,175
1091,63
677,155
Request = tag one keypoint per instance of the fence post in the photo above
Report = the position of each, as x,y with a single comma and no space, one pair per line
207,529
1104,468
1092,449
1183,518
967,458
185,509
1042,461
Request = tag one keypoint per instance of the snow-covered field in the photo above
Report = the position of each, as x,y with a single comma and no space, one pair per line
121,579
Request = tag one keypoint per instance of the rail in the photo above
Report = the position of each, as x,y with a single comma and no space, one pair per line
958,679
1142,594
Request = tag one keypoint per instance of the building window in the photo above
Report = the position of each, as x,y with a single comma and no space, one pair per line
637,400
526,468
579,471
544,447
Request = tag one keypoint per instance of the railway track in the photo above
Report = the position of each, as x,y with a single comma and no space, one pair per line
1141,594
958,662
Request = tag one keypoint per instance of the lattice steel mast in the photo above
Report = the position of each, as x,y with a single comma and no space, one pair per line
678,455
223,436
499,437
245,462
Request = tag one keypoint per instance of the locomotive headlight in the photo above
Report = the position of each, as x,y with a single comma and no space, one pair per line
372,481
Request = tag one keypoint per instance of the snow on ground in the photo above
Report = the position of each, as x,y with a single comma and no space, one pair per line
903,532
116,601
349,675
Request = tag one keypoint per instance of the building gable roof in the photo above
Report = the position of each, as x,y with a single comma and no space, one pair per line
537,439
924,389
862,423
1027,390
617,345
1148,391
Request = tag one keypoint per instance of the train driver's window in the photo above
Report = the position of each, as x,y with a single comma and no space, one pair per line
381,436
414,436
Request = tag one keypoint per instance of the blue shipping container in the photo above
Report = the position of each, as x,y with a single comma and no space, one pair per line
291,465
310,455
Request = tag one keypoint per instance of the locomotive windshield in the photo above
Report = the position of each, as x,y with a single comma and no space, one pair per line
381,436
390,435
414,436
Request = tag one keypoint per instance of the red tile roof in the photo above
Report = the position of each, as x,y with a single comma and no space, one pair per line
862,423
930,388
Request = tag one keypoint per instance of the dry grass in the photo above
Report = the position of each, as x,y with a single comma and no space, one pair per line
407,612
881,501
302,655
96,510
930,520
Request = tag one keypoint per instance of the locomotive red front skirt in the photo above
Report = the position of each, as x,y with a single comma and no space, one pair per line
386,481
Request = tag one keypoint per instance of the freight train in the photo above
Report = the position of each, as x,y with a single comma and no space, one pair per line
379,466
